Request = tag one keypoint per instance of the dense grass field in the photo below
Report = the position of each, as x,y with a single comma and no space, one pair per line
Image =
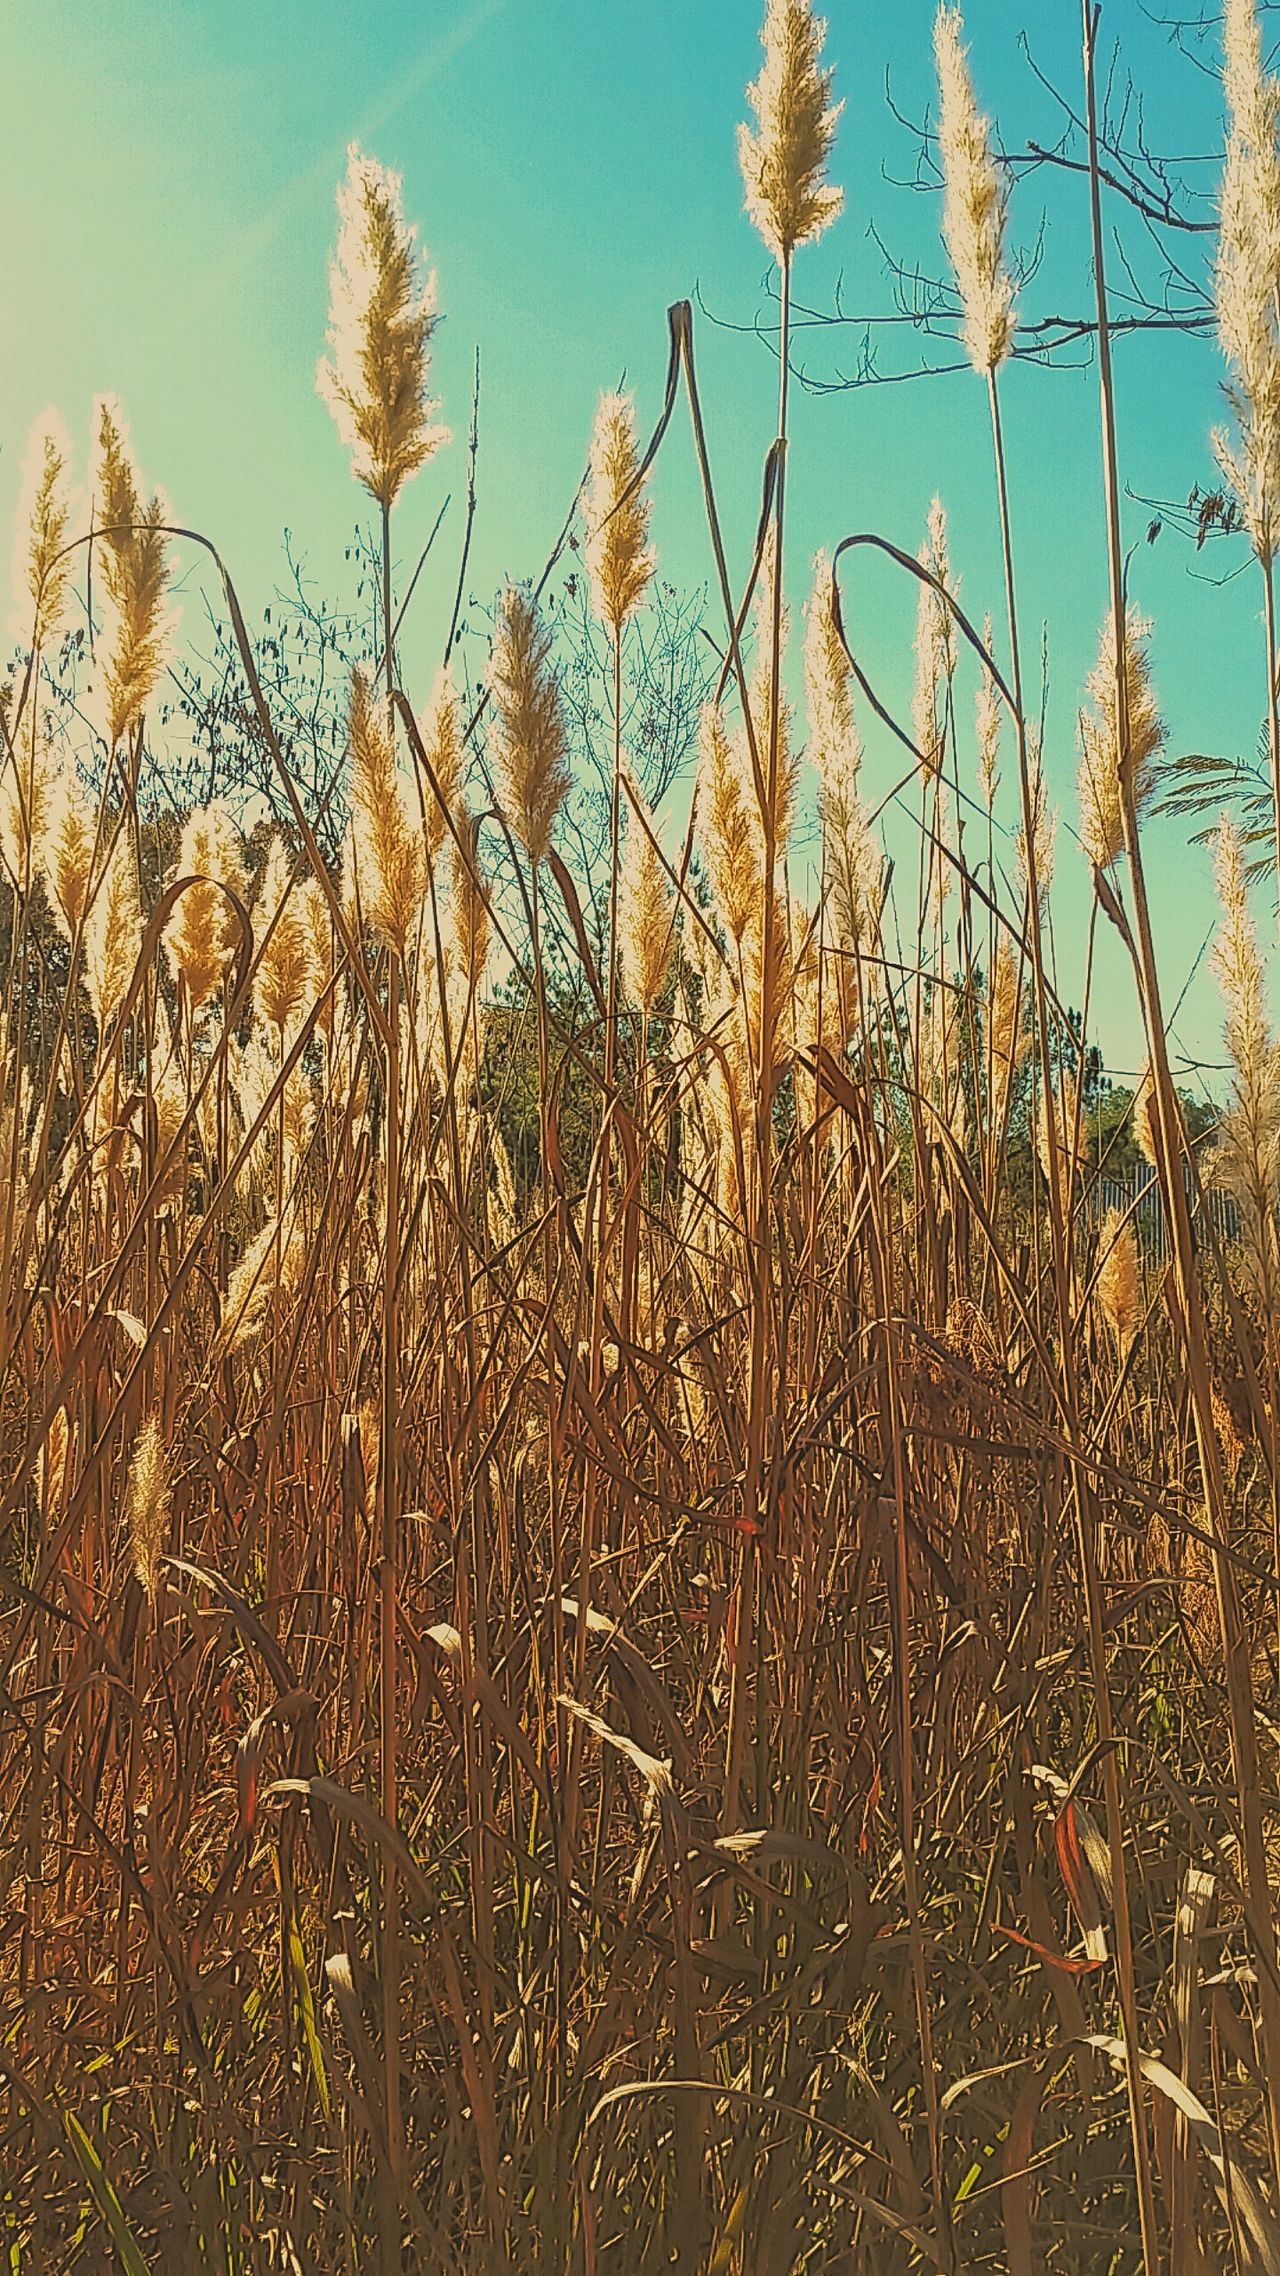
639,1523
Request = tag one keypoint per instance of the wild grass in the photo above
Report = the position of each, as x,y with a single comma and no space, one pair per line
635,1634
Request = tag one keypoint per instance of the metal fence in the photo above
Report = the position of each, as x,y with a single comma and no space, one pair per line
1139,1193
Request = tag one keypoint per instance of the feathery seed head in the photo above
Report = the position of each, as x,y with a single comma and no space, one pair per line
1044,827
646,918
67,849
468,905
1246,1158
202,934
287,1109
26,789
1008,1039
386,846
41,563
729,823
441,731
317,916
1144,1118
270,1266
1248,261
133,552
784,157
760,691
833,733
382,313
1118,1289
1101,778
935,645
287,976
975,209
988,722
113,931
530,745
853,867
149,1501
619,558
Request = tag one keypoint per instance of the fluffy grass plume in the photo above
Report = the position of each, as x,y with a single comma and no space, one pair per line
113,931
42,561
852,861
935,645
441,731
134,558
1101,776
67,848
1246,1158
1119,1290
975,210
646,918
529,742
729,822
1248,264
26,789
987,725
382,313
620,560
202,935
784,157
287,975
149,1503
386,848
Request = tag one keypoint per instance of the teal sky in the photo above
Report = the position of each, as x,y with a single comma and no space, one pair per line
167,174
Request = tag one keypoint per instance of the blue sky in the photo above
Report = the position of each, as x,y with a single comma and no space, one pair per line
167,175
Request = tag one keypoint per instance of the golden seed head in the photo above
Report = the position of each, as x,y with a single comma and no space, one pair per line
203,934
468,908
1248,261
113,931
760,694
133,556
851,860
1118,1287
1044,827
530,746
1144,1119
1101,772
382,313
935,645
828,682
26,791
67,849
149,1504
729,823
42,565
975,209
1008,1039
441,731
619,558
988,723
1246,1159
646,917
271,1266
386,847
287,977
784,157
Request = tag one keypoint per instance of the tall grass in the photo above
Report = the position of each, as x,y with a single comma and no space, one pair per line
635,1633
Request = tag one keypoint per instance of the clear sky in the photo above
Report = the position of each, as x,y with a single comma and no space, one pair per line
167,174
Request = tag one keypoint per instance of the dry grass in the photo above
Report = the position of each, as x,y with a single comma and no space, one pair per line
679,1699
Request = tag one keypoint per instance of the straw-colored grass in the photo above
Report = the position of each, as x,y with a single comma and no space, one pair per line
638,1627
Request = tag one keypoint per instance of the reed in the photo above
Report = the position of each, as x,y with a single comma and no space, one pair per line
638,1576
